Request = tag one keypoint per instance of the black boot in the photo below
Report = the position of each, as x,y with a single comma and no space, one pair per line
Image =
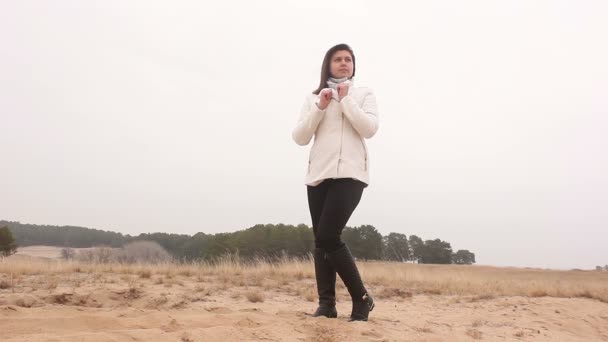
344,263
326,285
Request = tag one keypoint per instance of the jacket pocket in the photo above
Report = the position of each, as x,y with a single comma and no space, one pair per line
365,155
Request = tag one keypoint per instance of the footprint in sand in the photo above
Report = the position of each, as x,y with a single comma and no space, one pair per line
172,326
219,310
372,333
291,313
248,323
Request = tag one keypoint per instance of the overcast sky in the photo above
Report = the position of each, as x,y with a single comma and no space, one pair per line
176,116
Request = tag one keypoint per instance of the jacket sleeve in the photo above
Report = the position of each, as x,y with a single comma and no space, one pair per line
309,119
364,119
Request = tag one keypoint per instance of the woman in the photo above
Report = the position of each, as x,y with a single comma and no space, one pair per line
339,116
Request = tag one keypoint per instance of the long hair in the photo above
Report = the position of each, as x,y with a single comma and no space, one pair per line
325,72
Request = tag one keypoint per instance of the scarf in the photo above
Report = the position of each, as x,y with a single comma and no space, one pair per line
332,83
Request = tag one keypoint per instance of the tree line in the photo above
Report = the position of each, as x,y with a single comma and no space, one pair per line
262,240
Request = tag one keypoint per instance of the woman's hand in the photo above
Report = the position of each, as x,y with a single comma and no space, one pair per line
325,98
342,90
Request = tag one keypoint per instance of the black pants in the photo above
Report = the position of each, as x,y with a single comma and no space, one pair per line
331,204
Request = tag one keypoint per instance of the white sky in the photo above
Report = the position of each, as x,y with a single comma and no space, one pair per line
175,116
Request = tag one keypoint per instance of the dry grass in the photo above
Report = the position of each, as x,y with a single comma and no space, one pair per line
309,293
145,274
204,290
478,323
390,292
474,333
4,284
26,302
254,296
157,303
431,291
538,293
186,337
487,282
423,330
482,297
389,278
52,283
186,272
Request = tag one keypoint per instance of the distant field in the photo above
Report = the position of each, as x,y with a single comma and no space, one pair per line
40,251
51,252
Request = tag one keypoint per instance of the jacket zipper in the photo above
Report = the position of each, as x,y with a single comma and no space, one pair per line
341,139
365,151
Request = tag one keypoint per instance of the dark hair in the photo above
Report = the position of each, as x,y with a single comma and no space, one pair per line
325,72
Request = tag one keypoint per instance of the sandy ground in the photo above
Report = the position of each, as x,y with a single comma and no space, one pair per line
105,306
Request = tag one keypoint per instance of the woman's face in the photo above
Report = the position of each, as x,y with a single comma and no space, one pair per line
341,64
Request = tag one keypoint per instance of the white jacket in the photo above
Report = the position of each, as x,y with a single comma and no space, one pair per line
339,150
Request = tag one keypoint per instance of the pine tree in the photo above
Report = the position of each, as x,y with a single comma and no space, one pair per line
7,242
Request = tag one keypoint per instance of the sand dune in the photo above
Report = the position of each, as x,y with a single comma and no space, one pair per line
50,300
